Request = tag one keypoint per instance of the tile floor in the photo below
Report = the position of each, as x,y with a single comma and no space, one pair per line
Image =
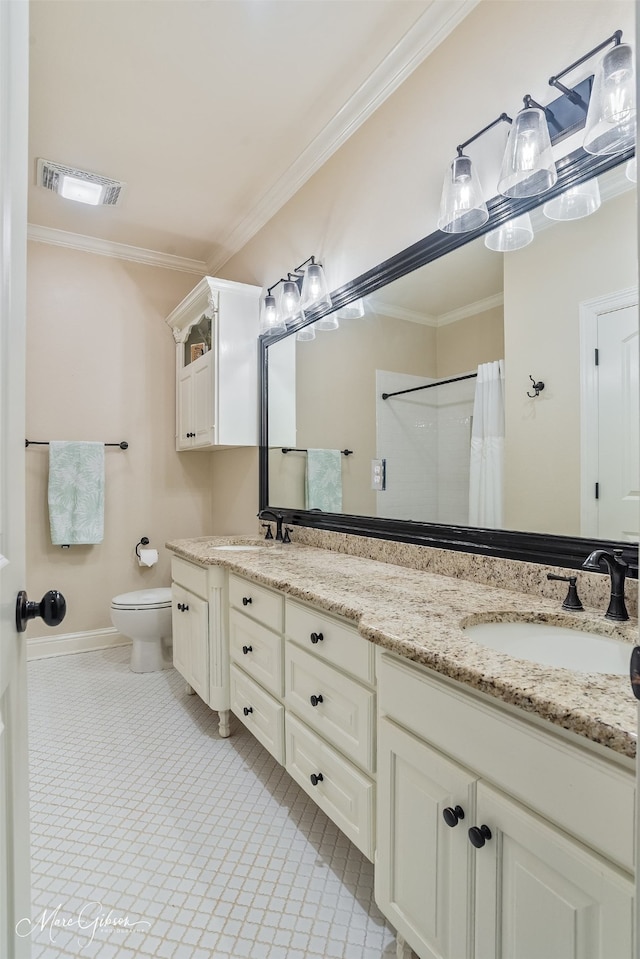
140,813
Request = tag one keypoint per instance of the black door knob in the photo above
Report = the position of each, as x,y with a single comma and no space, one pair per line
247,649
247,709
246,600
453,815
315,700
52,608
478,835
316,638
316,778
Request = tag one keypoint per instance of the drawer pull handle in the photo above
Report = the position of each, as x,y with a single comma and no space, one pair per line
246,600
316,638
315,700
453,815
247,649
316,778
247,709
479,835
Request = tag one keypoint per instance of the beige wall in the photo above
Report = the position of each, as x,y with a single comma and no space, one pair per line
101,366
462,346
380,192
544,286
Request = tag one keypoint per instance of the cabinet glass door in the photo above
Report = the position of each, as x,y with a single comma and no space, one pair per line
199,340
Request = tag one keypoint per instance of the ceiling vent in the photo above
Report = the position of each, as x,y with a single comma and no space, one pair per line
80,185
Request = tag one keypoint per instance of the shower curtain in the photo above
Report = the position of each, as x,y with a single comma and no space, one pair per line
486,475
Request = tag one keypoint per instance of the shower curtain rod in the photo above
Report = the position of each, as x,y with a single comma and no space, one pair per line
428,386
123,445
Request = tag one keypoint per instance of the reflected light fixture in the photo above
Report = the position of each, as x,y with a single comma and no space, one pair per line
528,167
462,205
353,310
306,333
631,170
512,235
575,203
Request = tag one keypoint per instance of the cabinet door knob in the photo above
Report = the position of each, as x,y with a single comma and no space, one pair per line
453,815
246,600
315,700
316,778
478,835
316,638
247,649
247,709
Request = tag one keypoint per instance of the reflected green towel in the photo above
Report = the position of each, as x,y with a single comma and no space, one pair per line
324,480
76,493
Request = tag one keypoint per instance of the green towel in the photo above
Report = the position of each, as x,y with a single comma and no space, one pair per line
76,493
324,480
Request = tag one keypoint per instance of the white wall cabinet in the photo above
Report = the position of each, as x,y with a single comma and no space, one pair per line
216,333
518,885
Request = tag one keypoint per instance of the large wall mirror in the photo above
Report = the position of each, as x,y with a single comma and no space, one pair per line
443,326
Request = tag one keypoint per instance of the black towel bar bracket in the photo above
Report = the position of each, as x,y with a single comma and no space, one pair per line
123,445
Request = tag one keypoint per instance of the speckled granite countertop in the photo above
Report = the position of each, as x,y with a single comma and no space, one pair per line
421,616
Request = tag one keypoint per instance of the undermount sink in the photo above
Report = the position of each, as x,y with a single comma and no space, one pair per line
549,645
237,548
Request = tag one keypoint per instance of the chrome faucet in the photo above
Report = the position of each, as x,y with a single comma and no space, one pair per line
617,571
278,517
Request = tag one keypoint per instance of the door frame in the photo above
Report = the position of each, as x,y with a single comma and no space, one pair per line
590,311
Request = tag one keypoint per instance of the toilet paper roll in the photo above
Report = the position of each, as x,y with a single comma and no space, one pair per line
147,557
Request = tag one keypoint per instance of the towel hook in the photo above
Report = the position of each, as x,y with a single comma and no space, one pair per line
143,542
538,387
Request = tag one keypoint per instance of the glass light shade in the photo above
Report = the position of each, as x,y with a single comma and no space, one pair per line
462,206
270,319
306,333
329,322
314,288
631,170
352,311
528,168
611,118
573,204
512,235
290,307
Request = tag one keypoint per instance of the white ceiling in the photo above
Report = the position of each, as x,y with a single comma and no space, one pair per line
213,112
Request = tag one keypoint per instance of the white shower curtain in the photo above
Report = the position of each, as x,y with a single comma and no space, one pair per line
486,479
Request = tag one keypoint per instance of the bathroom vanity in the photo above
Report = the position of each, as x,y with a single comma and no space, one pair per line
495,797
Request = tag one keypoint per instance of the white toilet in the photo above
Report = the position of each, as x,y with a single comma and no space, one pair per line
144,616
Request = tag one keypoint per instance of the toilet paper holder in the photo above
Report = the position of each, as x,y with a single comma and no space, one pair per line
143,542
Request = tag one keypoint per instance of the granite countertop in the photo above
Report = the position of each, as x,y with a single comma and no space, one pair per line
421,617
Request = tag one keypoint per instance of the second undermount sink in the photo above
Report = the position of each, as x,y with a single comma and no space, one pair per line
550,645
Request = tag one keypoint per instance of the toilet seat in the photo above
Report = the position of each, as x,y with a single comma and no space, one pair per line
143,599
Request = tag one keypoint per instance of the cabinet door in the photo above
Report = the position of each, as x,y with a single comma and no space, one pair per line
541,894
202,423
184,413
422,876
180,628
190,621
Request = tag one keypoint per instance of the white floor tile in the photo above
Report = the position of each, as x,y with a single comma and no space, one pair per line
139,807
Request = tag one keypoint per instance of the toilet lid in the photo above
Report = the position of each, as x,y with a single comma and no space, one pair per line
143,599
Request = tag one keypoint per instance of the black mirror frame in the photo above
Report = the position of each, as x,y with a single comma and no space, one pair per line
564,551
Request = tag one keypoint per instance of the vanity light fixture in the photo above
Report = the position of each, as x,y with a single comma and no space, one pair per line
271,320
528,167
631,170
290,307
575,203
315,292
303,290
611,119
512,235
462,205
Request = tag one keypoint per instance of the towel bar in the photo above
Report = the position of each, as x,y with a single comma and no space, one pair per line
123,445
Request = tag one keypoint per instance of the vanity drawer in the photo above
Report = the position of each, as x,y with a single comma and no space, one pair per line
589,797
266,717
343,793
345,714
263,656
193,578
340,644
261,603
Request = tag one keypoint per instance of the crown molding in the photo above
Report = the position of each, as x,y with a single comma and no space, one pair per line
122,251
399,313
429,30
471,309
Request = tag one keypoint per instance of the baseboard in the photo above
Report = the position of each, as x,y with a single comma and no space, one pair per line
41,647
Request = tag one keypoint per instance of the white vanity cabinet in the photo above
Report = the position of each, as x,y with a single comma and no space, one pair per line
215,329
200,652
551,874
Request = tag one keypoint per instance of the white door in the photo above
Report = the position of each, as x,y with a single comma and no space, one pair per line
14,791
